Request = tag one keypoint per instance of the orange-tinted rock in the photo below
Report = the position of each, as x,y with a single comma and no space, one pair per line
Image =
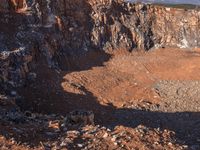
13,5
63,28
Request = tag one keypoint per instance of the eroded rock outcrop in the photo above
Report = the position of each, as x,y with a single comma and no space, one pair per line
62,30
145,26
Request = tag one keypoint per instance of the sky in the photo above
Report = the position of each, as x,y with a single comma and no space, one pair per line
170,1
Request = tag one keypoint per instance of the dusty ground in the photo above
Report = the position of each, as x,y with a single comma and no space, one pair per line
141,100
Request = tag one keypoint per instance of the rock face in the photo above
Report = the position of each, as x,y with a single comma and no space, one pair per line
56,31
145,26
13,5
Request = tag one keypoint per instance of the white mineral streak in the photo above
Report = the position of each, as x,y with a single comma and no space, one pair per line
51,20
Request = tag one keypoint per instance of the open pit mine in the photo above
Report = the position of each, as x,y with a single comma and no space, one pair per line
99,75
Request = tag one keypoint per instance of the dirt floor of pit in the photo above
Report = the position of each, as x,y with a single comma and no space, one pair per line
159,89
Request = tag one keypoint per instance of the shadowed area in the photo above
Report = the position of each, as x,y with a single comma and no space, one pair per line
61,56
91,89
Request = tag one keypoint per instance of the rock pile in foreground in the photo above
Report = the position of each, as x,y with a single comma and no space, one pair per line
37,131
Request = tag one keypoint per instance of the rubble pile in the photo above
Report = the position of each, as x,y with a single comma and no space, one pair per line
56,35
56,132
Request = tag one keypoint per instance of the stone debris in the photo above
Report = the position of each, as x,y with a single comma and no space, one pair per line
55,34
85,136
80,117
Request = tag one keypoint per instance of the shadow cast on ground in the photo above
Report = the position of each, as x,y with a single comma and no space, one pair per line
185,124
47,96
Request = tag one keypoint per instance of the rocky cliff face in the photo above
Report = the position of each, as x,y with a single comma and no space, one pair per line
62,30
145,26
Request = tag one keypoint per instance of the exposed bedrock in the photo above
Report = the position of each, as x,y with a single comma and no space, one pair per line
60,31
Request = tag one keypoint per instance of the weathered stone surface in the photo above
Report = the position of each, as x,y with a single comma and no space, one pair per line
53,31
145,26
13,5
80,118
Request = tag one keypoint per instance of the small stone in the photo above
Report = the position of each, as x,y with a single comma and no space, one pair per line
28,114
80,145
156,143
80,117
108,130
170,144
32,76
73,132
115,143
71,29
185,146
63,144
113,139
13,93
105,135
